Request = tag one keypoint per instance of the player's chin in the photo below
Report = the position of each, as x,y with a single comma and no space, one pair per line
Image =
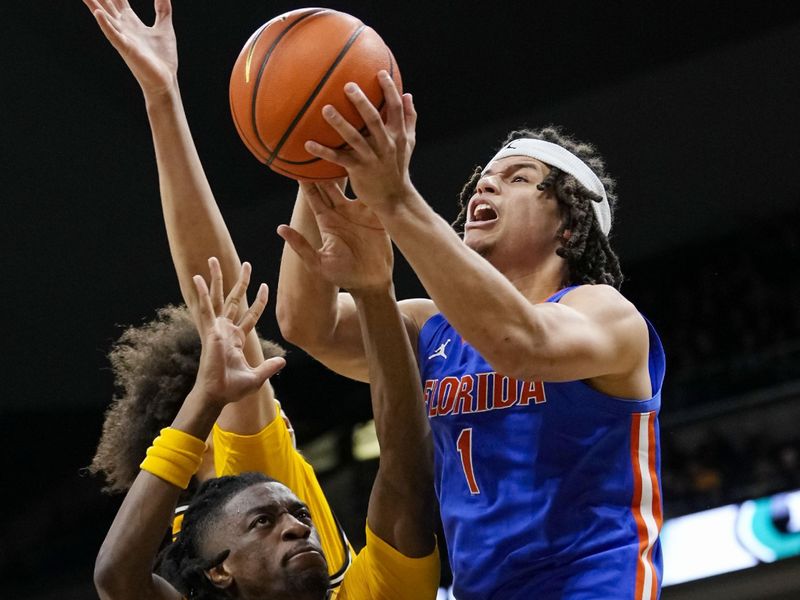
477,242
308,576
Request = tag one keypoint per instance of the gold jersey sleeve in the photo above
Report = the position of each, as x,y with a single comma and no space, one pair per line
380,572
272,452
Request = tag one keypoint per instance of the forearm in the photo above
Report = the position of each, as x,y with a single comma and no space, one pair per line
123,568
306,305
197,231
311,312
400,505
479,301
124,564
194,224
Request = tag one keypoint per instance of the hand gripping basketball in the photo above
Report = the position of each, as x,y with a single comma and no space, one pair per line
377,163
288,70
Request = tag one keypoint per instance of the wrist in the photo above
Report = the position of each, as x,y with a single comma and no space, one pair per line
175,456
399,205
206,400
165,98
198,413
374,294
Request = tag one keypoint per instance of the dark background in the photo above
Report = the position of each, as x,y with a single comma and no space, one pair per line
693,106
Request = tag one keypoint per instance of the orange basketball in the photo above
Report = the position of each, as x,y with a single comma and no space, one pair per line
288,70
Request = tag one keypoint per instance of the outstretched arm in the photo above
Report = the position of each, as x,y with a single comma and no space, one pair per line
402,496
311,311
195,227
593,333
123,569
332,238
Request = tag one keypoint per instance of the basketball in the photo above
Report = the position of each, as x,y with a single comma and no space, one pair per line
290,68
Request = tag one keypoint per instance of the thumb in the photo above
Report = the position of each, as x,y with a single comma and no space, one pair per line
163,10
301,247
268,368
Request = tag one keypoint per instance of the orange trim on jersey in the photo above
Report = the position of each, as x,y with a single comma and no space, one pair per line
646,502
641,530
657,512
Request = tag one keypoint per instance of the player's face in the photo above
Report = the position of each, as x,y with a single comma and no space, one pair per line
510,221
274,548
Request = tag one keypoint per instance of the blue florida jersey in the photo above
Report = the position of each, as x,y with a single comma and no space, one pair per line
546,490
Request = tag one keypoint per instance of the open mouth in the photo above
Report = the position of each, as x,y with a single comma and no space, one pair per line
481,212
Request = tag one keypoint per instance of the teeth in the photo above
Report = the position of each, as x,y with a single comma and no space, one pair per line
480,208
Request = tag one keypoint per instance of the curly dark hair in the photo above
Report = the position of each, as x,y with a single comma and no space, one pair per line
587,251
154,366
182,563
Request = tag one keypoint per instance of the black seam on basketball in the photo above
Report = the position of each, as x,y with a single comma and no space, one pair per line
257,84
239,129
294,175
248,144
316,92
362,131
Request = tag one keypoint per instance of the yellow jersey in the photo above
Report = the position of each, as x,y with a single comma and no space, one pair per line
378,572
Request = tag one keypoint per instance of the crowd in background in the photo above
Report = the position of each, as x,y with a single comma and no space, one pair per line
727,312
725,469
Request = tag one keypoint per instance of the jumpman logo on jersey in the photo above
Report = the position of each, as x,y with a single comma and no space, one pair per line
440,350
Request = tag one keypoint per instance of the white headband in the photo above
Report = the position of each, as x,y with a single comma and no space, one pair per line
561,158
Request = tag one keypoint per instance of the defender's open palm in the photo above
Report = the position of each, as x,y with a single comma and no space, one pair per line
150,52
356,253
224,373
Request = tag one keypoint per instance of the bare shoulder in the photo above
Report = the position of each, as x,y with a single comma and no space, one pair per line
602,300
415,312
615,316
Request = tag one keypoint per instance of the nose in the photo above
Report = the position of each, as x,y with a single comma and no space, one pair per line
294,529
487,184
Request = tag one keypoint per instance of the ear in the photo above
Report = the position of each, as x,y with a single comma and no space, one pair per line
567,234
219,576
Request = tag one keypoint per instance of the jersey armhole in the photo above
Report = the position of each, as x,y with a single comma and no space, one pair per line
416,312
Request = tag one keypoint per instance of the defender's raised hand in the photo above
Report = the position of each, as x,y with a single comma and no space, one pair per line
150,52
224,374
377,163
356,253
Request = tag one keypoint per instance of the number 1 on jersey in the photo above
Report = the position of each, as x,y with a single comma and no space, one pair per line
464,445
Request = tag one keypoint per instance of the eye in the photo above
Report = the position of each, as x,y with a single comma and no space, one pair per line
260,521
303,515
517,178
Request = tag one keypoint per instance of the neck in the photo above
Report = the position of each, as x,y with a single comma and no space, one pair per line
537,282
535,286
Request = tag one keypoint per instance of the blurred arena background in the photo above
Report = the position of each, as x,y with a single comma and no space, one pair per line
694,106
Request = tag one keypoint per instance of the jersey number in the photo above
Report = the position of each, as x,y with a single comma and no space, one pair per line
464,444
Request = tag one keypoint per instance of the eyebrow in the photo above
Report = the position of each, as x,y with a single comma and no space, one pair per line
261,508
512,167
273,506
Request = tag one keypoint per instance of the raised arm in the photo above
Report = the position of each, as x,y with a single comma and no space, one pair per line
401,505
123,569
594,332
311,312
402,496
194,224
332,238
